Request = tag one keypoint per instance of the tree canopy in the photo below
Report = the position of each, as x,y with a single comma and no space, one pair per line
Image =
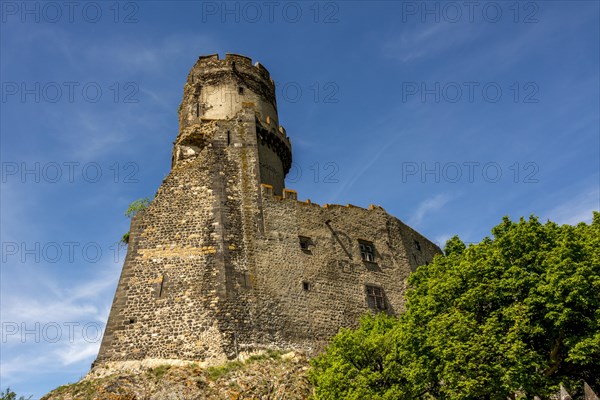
515,315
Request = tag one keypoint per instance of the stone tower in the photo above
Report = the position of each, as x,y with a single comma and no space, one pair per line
226,260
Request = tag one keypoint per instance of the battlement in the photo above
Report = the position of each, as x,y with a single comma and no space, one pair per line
292,195
213,61
278,130
218,88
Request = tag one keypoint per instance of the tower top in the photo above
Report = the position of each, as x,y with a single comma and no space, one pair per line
210,71
212,61
224,86
227,92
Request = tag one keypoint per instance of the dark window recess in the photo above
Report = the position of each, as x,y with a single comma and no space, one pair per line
376,298
417,245
198,107
305,243
228,138
367,251
240,90
306,286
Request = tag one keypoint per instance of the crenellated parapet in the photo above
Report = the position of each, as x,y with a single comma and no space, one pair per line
212,61
292,196
277,141
237,71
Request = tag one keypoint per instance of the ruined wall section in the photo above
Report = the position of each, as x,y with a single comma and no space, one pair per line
305,296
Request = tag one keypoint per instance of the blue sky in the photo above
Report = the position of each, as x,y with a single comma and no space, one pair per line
446,116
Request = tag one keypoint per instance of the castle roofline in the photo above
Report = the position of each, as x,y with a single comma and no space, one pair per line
238,59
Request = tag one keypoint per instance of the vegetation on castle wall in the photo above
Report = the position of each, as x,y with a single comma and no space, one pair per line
135,207
513,316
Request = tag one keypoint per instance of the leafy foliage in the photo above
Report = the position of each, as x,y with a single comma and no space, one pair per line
137,206
125,238
515,315
10,395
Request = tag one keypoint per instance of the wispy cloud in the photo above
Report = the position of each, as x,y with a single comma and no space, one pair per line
56,302
428,206
141,55
577,209
426,40
48,324
441,240
35,360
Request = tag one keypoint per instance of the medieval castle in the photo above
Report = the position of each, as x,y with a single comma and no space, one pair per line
226,260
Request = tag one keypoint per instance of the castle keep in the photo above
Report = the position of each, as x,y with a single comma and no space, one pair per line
226,260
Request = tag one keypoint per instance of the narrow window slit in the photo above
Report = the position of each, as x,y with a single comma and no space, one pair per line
162,284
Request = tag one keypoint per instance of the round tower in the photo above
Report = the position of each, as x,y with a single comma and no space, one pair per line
220,90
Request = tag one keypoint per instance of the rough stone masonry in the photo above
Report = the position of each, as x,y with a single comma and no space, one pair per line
227,261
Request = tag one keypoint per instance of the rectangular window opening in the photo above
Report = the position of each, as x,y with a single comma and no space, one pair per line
367,251
376,298
240,90
305,243
306,286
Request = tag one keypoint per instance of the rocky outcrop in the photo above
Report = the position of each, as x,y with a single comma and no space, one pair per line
270,375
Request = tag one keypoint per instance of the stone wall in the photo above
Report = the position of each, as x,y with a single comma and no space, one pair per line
306,295
215,266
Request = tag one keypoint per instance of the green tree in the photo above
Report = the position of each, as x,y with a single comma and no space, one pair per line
10,395
135,207
513,316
